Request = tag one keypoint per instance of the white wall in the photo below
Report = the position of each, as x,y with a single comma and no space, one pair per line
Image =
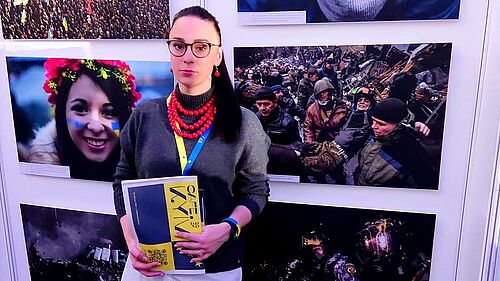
474,256
60,193
467,36
469,149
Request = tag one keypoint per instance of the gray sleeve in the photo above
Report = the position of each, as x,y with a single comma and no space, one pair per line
251,185
126,166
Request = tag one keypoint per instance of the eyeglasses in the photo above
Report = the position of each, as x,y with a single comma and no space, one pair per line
199,49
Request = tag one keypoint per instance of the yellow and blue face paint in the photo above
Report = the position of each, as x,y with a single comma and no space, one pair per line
74,123
115,126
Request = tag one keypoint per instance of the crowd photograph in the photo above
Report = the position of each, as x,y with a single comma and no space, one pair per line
369,115
85,19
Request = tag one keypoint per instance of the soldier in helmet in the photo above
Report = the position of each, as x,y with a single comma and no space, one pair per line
326,115
324,119
319,262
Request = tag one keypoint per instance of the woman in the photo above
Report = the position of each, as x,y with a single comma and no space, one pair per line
231,165
92,99
355,131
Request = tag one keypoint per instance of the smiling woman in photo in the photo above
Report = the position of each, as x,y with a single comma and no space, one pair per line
92,100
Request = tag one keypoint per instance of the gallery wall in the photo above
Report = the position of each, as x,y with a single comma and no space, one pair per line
71,194
467,36
478,257
470,145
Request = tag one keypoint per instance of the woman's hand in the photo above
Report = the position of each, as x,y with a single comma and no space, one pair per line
205,244
140,261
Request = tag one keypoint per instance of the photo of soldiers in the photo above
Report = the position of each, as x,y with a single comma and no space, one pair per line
65,244
317,261
339,89
85,19
298,242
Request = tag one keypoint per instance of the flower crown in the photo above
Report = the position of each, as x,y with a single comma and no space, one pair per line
58,69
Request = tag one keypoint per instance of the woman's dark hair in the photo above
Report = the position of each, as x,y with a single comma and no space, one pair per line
69,154
227,121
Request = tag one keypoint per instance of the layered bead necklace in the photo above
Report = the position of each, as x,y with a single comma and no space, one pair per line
191,131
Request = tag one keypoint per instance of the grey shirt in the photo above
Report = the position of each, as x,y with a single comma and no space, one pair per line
230,174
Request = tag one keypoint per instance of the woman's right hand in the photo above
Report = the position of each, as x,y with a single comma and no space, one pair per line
139,260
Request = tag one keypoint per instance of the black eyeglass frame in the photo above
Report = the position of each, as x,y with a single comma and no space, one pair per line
210,45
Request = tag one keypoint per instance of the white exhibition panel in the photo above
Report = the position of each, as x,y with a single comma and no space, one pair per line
478,249
83,195
6,263
467,36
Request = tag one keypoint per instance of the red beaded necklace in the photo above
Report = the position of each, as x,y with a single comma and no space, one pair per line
195,130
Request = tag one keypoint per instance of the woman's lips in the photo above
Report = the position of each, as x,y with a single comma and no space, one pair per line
187,72
96,143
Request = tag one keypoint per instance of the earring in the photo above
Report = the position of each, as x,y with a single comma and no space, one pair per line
216,73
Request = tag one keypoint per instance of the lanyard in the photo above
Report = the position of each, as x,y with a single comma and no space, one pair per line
187,162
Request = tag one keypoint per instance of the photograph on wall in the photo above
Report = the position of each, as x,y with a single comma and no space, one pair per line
277,12
65,244
368,115
68,113
292,242
85,19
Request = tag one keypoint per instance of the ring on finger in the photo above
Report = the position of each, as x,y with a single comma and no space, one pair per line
200,253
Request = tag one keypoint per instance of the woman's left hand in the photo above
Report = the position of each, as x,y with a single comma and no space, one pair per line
203,245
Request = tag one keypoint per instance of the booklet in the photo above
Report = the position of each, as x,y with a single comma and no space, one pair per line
159,208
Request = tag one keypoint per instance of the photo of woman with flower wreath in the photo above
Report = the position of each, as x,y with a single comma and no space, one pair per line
91,101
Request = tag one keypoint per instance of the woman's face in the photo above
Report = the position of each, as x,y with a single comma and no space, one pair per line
195,74
91,120
363,104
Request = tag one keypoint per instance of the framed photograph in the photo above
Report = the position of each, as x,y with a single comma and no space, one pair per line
370,115
307,242
64,244
85,19
68,113
276,12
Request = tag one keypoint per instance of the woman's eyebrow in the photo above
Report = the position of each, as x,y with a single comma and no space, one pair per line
195,40
78,100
